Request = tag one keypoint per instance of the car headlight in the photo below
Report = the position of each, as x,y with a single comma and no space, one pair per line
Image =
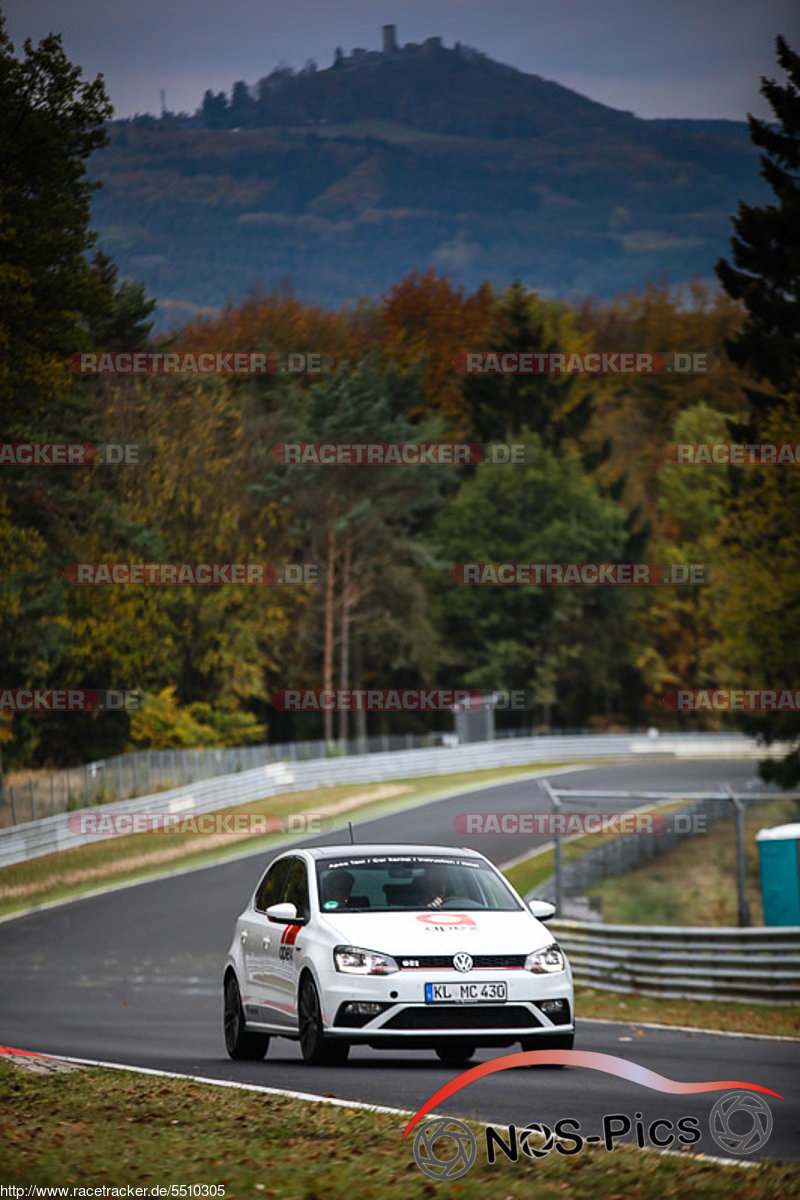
353,960
546,962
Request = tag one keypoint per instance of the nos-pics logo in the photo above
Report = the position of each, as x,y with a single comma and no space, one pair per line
445,1148
460,1148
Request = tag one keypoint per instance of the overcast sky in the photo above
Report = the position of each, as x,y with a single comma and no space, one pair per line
657,58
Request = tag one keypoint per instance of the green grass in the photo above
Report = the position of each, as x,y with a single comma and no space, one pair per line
776,1019
147,855
114,1128
694,884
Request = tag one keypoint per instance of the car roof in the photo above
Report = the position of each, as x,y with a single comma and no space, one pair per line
381,848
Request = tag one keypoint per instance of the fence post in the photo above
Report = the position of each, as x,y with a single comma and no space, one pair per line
52,794
13,806
33,802
558,873
741,878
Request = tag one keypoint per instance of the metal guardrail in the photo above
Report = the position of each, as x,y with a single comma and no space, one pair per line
145,772
62,831
755,966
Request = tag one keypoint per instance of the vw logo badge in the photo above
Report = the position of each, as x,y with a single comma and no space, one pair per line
462,962
446,1129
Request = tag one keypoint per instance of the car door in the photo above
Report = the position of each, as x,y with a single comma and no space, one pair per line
284,951
258,933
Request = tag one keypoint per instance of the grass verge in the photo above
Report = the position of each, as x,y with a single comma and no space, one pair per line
89,1128
694,884
778,1020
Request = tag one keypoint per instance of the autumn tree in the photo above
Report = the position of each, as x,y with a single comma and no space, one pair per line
362,524
427,322
567,644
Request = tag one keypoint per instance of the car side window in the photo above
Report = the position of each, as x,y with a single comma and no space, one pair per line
295,889
269,890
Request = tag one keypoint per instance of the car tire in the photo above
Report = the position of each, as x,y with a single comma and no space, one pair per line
317,1049
238,1041
456,1054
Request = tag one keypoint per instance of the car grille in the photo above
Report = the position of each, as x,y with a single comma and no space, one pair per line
434,962
464,1016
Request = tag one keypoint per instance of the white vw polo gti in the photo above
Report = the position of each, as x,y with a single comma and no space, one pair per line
395,946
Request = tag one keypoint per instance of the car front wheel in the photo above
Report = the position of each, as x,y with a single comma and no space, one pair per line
317,1049
238,1042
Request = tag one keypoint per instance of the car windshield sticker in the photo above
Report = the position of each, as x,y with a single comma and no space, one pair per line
402,859
331,904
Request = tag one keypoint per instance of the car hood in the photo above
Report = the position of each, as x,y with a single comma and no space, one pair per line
442,932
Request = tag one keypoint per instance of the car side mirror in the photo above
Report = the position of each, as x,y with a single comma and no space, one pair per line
542,909
283,914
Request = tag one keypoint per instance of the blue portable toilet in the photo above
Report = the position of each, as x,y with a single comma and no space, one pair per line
779,865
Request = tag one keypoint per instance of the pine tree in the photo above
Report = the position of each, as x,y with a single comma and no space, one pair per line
759,579
766,248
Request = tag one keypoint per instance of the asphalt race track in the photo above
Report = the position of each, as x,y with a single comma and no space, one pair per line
134,977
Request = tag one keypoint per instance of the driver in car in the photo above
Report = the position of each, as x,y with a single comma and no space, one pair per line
338,886
434,886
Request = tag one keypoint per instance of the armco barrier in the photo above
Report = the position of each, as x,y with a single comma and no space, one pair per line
22,842
754,966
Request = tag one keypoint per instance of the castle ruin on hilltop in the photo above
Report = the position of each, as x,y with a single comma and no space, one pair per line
392,49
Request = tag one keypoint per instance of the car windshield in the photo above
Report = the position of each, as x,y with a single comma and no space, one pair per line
409,883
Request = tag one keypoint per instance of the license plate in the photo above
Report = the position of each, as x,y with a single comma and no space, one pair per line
466,993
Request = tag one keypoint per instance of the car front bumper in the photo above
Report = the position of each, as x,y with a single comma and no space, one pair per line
404,1015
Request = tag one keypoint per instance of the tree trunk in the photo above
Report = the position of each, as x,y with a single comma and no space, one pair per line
361,715
327,657
344,660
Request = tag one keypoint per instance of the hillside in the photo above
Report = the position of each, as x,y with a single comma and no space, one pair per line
427,86
341,181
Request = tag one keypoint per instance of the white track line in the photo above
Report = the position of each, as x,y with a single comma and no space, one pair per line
763,1037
